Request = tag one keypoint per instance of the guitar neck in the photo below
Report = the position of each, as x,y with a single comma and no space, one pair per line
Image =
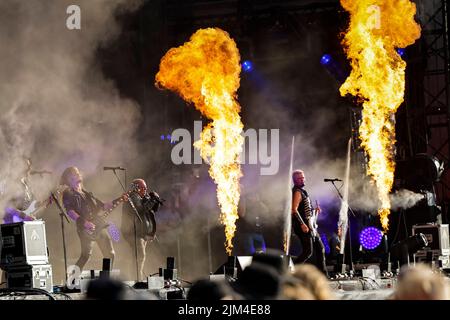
115,203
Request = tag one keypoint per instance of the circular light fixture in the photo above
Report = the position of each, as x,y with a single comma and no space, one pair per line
326,59
370,238
247,65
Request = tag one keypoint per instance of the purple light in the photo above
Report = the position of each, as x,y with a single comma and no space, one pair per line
247,65
326,59
400,51
370,238
162,137
16,218
323,236
114,232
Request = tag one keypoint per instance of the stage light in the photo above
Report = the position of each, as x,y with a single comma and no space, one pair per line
370,238
114,232
402,249
326,59
401,51
169,137
247,66
162,137
333,67
325,242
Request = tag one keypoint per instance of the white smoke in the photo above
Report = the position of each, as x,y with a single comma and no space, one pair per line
56,107
405,199
367,199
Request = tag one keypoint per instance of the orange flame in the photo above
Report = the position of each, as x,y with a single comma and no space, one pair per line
377,28
205,71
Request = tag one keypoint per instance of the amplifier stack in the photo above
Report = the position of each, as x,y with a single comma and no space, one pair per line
24,255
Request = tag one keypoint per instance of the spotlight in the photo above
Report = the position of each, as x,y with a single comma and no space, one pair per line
402,249
370,238
114,232
162,137
247,66
333,67
400,51
169,137
326,59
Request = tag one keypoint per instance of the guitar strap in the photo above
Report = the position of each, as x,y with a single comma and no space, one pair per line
95,203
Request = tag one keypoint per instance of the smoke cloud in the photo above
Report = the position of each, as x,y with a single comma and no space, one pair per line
57,108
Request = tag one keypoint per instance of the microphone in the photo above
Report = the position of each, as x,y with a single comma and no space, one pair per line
331,180
41,172
113,168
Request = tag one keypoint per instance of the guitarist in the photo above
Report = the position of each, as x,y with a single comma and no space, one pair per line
302,224
81,206
17,206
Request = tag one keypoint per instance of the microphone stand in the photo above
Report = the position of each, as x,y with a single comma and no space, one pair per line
134,221
348,230
62,215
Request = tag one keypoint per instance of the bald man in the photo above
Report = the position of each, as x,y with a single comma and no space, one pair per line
302,211
139,211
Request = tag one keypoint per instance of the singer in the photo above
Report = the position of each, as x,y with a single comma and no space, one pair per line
302,212
138,220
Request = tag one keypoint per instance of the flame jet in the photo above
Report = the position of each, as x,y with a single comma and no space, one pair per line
377,28
206,72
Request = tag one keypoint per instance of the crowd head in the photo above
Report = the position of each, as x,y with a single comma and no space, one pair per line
420,282
269,277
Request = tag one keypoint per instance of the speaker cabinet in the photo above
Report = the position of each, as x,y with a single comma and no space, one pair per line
27,276
23,243
438,239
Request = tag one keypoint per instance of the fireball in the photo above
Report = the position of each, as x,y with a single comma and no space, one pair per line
206,72
377,28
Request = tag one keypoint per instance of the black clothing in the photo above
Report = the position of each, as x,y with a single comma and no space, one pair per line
144,216
305,239
335,246
304,207
86,205
309,243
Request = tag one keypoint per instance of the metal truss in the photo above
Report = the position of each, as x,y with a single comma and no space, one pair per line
203,12
428,99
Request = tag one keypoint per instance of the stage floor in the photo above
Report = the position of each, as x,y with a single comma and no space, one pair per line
354,289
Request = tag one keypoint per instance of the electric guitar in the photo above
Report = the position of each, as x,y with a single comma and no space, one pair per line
36,206
313,226
99,220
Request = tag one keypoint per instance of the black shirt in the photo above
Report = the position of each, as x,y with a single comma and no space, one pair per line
304,207
84,203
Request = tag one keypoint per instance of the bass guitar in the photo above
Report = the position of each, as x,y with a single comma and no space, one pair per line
99,220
